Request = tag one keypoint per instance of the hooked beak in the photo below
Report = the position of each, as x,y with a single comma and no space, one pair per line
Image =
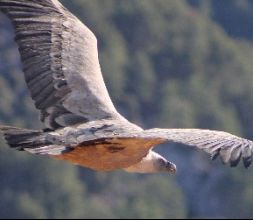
171,167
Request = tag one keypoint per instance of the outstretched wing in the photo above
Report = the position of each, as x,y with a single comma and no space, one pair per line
60,62
217,143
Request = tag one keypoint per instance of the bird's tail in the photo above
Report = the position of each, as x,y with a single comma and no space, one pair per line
19,138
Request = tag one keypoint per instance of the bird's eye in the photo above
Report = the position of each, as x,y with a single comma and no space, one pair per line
161,161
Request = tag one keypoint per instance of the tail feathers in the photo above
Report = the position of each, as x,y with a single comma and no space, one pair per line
20,138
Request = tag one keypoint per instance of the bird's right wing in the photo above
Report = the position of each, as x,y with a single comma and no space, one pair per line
217,143
60,63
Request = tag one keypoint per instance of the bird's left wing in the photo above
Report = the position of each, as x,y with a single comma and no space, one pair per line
217,143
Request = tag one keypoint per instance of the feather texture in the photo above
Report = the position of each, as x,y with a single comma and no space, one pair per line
60,62
217,143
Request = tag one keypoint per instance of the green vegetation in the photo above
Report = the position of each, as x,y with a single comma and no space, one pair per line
167,64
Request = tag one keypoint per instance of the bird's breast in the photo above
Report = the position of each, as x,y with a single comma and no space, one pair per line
108,154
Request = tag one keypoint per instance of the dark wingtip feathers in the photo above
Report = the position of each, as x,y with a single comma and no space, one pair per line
244,152
215,154
247,161
234,163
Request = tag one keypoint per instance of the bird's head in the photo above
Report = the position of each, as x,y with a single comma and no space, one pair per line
152,163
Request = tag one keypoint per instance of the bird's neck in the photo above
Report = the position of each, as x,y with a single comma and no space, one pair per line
152,163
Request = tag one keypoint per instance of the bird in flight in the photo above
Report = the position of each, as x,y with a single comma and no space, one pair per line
62,71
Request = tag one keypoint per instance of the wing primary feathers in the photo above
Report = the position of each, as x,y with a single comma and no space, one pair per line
236,154
247,154
215,154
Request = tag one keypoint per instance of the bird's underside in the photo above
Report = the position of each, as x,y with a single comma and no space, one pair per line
110,153
62,71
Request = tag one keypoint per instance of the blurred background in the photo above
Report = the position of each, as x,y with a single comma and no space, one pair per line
185,63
